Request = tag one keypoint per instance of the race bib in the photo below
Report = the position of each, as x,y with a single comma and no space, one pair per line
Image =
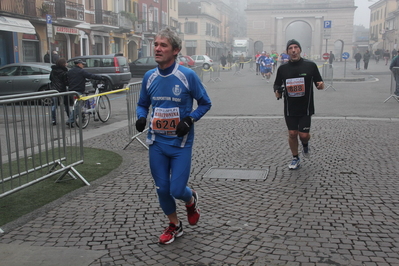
165,120
295,87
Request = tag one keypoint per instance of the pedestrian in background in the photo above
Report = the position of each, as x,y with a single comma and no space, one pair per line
275,56
366,59
387,56
59,82
229,60
77,82
170,90
46,57
331,59
54,57
266,64
358,57
284,57
298,77
242,61
257,62
394,67
223,60
394,53
140,54
377,55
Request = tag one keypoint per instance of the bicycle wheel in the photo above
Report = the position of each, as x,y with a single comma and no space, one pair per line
82,116
103,108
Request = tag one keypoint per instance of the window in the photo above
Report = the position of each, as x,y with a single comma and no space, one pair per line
142,60
43,71
208,29
108,62
8,71
93,62
190,28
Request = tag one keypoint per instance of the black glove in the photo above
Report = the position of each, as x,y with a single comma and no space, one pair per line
279,90
140,124
184,126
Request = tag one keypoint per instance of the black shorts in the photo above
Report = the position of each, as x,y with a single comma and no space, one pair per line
300,123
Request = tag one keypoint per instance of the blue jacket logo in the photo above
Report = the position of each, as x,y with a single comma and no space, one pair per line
176,90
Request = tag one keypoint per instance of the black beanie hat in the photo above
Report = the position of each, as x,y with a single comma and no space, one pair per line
293,41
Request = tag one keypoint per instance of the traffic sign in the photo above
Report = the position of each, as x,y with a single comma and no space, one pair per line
326,56
49,20
345,55
327,24
49,31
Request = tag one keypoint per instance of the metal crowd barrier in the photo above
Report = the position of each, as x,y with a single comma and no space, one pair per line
251,65
237,69
328,76
200,73
215,74
132,97
31,147
395,70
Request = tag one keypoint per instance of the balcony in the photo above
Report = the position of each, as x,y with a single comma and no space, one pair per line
67,13
125,24
105,20
18,7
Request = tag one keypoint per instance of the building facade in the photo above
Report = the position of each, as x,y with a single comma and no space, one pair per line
206,26
30,28
319,25
384,22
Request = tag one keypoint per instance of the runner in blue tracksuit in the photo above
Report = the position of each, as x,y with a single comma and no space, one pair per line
266,65
169,90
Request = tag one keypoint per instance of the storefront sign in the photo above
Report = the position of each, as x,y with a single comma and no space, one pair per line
29,36
66,30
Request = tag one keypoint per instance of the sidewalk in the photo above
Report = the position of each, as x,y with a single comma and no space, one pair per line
346,71
340,208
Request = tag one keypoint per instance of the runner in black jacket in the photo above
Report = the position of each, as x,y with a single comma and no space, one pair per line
297,77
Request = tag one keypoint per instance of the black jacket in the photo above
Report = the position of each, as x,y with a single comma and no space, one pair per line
77,79
59,78
47,58
54,58
298,79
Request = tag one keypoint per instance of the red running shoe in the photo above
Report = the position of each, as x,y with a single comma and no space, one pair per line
193,211
170,233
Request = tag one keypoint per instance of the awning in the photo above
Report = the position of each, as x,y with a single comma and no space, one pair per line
16,25
377,45
210,44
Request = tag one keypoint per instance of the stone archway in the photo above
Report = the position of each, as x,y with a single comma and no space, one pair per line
338,49
258,46
302,32
132,53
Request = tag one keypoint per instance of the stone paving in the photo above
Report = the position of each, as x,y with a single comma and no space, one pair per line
340,208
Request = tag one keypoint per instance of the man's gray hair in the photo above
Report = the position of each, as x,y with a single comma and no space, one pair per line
172,36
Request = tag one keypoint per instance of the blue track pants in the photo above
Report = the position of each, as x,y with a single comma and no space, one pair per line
170,168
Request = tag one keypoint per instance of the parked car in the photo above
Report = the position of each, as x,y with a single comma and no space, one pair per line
139,66
19,78
114,66
202,60
186,61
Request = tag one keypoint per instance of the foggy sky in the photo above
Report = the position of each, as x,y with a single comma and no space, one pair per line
362,13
